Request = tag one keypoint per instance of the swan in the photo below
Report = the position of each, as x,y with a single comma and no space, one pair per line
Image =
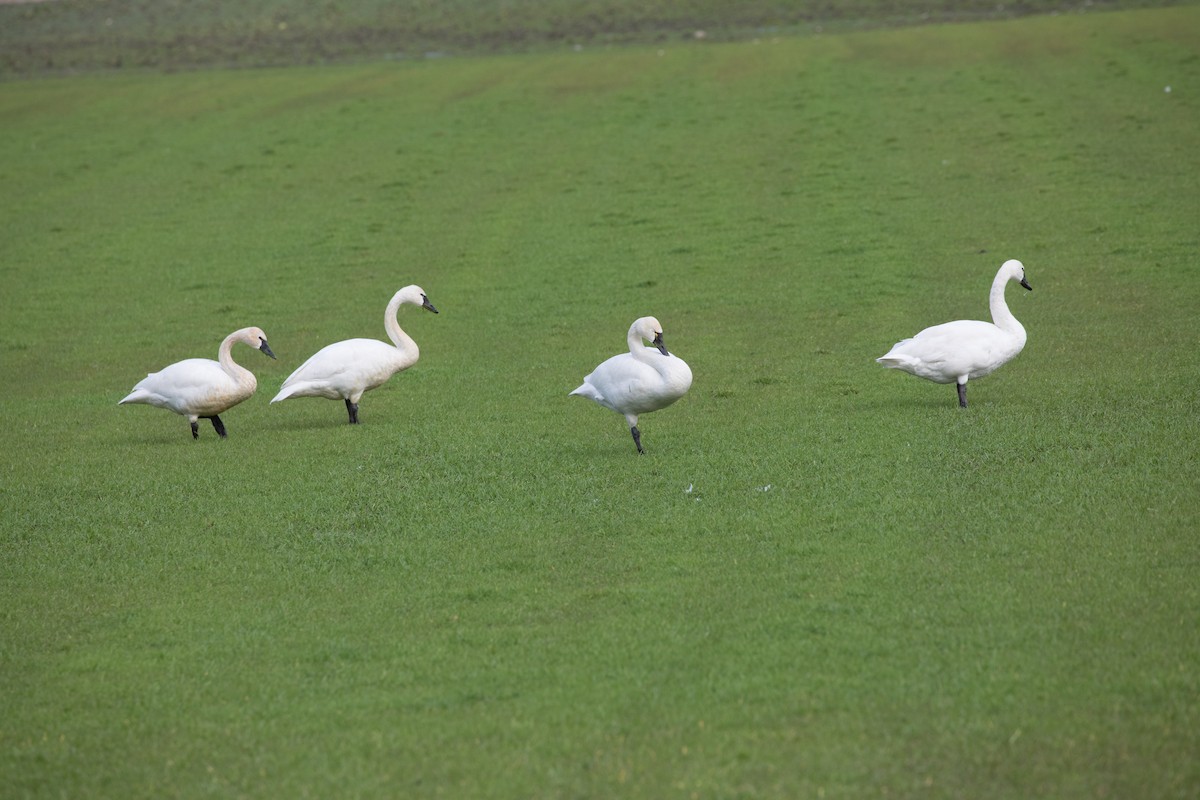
347,369
964,349
643,380
201,387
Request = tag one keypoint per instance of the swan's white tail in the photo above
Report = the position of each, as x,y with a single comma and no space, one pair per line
897,361
285,393
136,396
587,390
893,359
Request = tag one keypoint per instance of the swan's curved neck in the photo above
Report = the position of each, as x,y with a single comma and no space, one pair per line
1001,316
646,354
637,348
225,357
399,338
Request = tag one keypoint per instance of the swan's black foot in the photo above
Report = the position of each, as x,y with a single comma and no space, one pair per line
195,430
962,395
352,410
218,426
637,439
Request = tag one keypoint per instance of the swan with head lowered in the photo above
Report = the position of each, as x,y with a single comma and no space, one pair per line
348,369
955,352
200,387
643,380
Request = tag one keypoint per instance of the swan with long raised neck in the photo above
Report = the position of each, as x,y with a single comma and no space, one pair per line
347,369
200,388
955,352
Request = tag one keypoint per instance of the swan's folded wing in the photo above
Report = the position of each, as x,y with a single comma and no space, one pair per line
183,377
959,347
335,360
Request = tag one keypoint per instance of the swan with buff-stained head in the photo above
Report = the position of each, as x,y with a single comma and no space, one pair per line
955,352
200,388
643,380
348,369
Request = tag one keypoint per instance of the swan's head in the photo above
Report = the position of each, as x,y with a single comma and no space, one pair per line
650,330
257,339
416,295
1016,272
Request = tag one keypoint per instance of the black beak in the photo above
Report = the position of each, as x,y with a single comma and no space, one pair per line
428,306
265,348
1025,283
658,342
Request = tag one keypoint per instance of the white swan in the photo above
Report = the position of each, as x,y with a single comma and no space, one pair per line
347,369
957,351
643,380
201,387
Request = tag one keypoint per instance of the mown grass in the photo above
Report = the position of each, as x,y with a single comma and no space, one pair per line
482,590
83,35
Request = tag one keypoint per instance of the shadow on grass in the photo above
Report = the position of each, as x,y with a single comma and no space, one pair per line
593,451
238,429
312,424
929,403
184,436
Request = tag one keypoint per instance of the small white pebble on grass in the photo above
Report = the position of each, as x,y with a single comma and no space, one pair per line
1167,90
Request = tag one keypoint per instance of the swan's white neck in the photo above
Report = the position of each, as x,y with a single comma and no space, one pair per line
231,367
1001,316
638,348
402,340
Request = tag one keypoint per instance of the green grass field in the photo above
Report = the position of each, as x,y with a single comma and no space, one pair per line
74,35
482,591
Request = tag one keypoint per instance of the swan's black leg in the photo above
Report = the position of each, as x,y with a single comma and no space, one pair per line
218,426
637,439
195,430
962,395
352,410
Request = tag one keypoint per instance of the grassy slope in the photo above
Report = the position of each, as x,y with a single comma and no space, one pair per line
74,35
481,591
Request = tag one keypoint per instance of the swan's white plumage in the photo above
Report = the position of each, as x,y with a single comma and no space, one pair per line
201,387
345,370
955,352
643,380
